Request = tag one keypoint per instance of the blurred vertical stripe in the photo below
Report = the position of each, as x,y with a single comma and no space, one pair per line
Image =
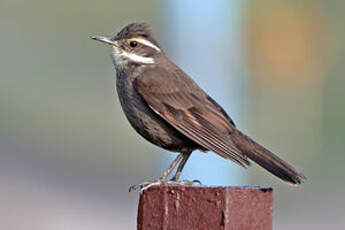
204,40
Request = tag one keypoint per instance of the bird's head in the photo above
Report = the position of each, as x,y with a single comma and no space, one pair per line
134,44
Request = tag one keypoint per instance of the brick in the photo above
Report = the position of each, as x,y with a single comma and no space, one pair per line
209,208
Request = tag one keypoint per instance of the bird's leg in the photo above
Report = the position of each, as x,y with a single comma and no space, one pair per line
177,175
163,180
166,174
181,166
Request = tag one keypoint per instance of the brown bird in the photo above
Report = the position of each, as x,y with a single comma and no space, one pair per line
165,106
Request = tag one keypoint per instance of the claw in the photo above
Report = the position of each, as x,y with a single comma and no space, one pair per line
147,184
188,183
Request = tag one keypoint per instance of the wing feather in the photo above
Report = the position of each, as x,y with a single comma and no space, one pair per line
190,110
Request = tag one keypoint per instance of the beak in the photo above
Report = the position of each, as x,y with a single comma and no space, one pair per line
105,39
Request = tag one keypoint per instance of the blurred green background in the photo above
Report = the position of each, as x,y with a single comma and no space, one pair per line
68,154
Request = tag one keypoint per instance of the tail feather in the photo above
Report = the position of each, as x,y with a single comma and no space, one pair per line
267,159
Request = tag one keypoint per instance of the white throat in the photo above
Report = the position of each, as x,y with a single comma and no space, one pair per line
122,58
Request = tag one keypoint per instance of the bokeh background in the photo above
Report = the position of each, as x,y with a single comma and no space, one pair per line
68,154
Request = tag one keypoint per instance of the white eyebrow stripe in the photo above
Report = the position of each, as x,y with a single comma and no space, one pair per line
137,58
147,43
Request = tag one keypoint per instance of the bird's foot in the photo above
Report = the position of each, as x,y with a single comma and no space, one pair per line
145,185
185,182
148,184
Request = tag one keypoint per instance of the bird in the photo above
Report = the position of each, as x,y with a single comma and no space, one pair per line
167,107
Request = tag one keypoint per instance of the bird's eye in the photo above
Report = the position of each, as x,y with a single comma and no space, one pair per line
133,44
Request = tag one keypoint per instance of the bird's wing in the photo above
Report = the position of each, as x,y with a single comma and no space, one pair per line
179,101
